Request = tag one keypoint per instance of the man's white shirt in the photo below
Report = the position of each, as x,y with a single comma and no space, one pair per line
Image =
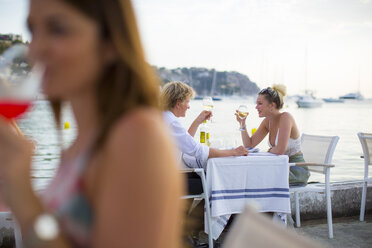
186,143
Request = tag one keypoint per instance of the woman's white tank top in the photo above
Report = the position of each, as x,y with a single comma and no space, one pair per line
293,147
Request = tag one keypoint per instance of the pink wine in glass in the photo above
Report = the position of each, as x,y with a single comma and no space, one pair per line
13,109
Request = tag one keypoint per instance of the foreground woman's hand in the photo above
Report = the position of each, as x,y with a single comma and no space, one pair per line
15,183
15,160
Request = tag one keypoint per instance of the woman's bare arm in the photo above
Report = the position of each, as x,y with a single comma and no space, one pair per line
17,191
257,137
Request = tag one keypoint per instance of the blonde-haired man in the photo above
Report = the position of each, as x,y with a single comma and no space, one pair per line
175,98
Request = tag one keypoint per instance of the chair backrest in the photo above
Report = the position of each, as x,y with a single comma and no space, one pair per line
366,141
318,149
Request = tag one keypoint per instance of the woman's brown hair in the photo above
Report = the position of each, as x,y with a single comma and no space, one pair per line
129,81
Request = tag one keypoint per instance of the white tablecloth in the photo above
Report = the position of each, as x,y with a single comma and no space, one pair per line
235,181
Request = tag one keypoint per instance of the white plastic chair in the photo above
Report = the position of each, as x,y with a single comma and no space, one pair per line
318,152
366,141
7,221
204,195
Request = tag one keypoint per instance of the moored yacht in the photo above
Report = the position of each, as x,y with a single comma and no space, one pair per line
352,96
333,100
309,101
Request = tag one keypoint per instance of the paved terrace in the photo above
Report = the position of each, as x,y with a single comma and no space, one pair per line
348,232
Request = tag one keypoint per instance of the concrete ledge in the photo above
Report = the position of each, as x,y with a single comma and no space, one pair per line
345,198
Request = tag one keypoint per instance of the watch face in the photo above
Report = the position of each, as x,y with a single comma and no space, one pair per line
46,227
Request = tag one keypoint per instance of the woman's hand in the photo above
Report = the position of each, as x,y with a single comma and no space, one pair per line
240,151
241,121
203,116
15,160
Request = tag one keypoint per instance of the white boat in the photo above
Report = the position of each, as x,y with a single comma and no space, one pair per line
333,100
309,101
352,96
355,95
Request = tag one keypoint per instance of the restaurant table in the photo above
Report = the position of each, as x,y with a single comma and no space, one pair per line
233,182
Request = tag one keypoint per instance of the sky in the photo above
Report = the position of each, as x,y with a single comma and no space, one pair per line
320,45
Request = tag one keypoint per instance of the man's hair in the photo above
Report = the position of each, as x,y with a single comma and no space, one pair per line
174,92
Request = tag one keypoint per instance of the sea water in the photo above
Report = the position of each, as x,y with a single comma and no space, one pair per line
342,119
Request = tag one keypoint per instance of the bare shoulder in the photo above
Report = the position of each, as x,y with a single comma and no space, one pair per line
286,116
138,135
265,123
136,126
138,182
137,120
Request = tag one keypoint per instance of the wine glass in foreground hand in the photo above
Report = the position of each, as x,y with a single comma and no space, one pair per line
18,83
242,113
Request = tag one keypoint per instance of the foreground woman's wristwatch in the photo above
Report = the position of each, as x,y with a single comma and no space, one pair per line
44,228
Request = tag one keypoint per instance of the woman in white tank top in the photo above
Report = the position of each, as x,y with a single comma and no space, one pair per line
284,136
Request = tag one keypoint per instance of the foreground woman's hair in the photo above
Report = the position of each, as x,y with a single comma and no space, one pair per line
129,81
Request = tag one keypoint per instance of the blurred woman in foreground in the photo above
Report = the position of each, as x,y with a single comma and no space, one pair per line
117,184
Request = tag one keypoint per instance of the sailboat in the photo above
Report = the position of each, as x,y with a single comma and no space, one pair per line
214,81
354,95
214,98
308,100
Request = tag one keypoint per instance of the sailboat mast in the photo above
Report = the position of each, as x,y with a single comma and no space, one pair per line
190,78
305,71
213,82
359,79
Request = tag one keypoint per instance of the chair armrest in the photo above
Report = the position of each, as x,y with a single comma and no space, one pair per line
312,164
197,170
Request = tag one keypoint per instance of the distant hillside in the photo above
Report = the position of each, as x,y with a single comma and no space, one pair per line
226,83
7,40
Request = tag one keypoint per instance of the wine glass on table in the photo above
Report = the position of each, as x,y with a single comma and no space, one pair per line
19,82
242,113
208,104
